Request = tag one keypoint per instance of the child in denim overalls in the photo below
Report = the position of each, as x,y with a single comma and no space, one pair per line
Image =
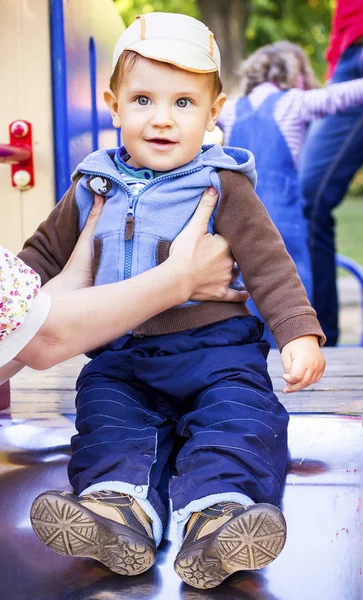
197,372
279,102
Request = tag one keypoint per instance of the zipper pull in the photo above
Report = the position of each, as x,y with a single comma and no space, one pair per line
130,226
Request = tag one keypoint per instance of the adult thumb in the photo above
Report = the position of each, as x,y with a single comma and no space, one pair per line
205,209
94,215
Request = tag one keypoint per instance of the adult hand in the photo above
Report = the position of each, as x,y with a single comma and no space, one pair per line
205,259
78,271
80,261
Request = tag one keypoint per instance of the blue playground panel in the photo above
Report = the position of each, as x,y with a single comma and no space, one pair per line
344,262
83,34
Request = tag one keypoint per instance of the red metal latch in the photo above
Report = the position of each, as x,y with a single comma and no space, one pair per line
19,154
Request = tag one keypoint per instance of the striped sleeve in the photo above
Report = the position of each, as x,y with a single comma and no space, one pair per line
313,104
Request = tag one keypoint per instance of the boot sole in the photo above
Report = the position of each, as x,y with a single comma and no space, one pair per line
249,541
70,529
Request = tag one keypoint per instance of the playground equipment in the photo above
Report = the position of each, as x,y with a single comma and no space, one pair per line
58,62
344,262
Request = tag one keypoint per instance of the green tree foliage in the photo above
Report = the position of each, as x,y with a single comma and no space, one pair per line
129,9
305,22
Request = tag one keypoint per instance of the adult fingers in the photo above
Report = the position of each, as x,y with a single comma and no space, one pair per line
94,215
235,296
81,257
204,209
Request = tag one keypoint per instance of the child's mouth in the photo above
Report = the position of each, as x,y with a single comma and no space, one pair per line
161,143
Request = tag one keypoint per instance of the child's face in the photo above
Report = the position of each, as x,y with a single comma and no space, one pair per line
163,113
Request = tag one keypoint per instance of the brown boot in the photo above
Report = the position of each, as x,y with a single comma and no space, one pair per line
107,526
229,537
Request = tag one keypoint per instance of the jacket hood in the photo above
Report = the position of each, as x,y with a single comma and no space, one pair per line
216,156
232,159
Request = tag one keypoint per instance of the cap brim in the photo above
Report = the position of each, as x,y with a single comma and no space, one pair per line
175,52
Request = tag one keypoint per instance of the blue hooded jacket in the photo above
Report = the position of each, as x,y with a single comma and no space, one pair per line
160,211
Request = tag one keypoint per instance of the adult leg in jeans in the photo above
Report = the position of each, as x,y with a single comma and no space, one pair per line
333,152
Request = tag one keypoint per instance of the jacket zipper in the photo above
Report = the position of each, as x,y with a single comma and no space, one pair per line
130,215
129,237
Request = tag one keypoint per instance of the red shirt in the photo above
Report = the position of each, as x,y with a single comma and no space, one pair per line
347,27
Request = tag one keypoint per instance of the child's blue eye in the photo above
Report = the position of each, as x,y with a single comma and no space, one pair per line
142,100
182,102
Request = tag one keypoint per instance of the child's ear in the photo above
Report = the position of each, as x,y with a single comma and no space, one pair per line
112,105
216,111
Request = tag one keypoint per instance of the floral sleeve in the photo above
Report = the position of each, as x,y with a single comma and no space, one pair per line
19,285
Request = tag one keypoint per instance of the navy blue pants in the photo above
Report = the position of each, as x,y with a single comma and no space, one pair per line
198,402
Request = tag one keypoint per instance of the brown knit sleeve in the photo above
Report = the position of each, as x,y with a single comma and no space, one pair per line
267,269
50,247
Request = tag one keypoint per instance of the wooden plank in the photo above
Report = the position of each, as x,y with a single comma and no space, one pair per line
345,402
325,384
342,363
352,370
68,384
45,396
333,355
340,390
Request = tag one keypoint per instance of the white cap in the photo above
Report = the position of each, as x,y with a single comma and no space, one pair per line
173,38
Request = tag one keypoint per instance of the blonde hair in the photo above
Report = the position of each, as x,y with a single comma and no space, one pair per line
128,60
281,63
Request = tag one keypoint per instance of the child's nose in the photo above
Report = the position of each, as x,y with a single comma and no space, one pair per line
162,117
